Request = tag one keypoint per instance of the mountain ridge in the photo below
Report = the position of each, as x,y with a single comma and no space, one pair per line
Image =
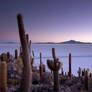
65,42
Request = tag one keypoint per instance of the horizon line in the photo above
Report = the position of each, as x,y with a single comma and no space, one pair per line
48,41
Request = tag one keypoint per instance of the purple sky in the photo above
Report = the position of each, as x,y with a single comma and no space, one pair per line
47,20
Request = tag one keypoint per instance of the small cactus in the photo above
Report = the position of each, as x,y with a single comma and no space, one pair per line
86,80
3,76
90,75
16,54
40,58
79,72
8,55
70,65
41,67
55,66
33,59
62,72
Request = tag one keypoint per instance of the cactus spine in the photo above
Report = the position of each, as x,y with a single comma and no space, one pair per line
26,79
3,77
70,65
55,65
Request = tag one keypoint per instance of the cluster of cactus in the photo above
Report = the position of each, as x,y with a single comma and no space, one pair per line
69,65
27,74
55,65
3,76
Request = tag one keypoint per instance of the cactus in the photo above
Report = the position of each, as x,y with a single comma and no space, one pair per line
55,66
44,68
2,58
40,67
62,72
86,80
40,58
33,59
30,45
79,72
27,38
16,54
20,51
70,65
3,77
8,55
26,78
90,75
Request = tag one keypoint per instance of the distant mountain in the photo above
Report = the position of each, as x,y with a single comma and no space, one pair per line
66,42
74,42
8,42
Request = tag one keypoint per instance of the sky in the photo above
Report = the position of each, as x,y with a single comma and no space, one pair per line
47,20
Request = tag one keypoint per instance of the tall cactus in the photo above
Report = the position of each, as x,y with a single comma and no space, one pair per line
3,77
26,78
55,67
70,65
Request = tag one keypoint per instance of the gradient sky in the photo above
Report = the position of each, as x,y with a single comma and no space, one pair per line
47,20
